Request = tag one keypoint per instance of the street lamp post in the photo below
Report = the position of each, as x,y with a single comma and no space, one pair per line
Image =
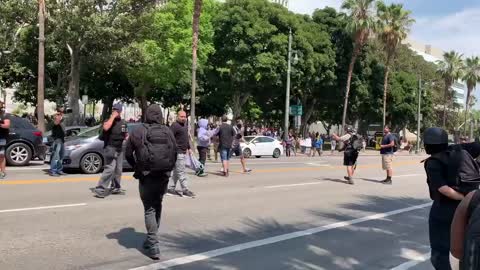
287,98
419,114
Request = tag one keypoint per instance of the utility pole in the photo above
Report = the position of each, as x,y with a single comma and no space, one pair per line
287,96
419,114
41,66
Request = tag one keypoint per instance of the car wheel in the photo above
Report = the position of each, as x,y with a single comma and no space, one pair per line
258,156
18,154
276,153
247,153
91,163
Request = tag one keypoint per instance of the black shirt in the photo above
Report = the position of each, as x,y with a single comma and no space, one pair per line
180,131
225,135
116,134
4,131
58,132
387,139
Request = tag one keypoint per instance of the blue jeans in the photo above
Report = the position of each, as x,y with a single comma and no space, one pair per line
225,154
58,151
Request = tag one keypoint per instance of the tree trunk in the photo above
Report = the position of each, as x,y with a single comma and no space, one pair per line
307,115
41,67
238,100
356,51
74,85
467,109
197,11
385,90
444,123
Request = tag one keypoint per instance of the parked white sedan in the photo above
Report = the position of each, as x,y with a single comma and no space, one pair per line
258,146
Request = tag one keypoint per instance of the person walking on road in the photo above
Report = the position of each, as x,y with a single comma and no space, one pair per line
58,148
4,131
204,137
113,135
236,149
387,151
180,132
350,154
151,151
318,146
226,133
333,145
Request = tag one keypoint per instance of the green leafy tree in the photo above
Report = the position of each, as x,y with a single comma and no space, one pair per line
471,76
361,23
450,69
394,25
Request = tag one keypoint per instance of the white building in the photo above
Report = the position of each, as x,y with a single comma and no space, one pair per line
281,2
434,55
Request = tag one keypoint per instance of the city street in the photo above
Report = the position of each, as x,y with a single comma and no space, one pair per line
288,214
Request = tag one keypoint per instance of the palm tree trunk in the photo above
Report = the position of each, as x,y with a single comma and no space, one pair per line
355,53
197,11
385,90
467,108
41,67
444,124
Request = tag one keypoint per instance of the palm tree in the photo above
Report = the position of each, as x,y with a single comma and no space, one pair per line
360,24
197,11
471,76
450,69
393,26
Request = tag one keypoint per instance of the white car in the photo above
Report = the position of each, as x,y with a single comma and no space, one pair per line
258,146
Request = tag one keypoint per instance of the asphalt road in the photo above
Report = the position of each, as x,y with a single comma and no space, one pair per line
295,213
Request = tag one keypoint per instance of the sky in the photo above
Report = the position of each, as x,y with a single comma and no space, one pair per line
445,24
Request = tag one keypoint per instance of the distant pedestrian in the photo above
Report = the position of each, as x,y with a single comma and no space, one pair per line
180,132
236,148
387,151
151,151
333,145
226,134
58,148
318,147
350,154
204,141
4,131
289,144
113,134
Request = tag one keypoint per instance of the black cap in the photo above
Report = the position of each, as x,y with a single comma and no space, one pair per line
435,136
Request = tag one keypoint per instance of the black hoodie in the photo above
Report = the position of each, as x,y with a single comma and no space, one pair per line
153,116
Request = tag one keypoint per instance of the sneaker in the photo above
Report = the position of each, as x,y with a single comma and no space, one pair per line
61,173
387,182
247,170
2,175
188,193
349,180
202,174
117,191
173,192
152,253
99,193
54,174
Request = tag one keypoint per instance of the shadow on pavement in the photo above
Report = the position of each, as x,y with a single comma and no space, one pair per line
129,238
334,180
372,245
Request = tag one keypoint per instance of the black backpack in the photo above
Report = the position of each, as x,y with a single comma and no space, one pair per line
159,152
463,171
471,248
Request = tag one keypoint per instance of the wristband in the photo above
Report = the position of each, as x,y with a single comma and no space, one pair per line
454,262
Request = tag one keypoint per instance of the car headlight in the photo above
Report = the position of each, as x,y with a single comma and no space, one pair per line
73,147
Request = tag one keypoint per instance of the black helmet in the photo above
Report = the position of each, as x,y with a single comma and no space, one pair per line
435,136
350,129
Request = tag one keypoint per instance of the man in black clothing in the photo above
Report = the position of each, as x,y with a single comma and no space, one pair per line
226,135
152,185
4,130
113,134
58,148
180,132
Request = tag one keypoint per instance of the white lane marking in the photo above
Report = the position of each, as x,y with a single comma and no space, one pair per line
415,261
295,185
42,208
35,168
271,240
318,165
322,182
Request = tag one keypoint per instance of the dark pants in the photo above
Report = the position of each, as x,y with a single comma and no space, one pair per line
288,149
152,189
439,222
202,152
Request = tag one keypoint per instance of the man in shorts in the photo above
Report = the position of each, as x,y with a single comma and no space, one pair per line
4,130
225,140
350,154
387,150
236,149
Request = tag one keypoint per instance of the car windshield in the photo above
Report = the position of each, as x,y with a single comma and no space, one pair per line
90,132
249,138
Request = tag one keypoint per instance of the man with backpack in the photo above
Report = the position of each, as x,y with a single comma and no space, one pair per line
451,174
351,147
113,134
152,152
387,150
180,132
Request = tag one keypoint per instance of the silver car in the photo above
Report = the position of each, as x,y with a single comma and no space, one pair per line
84,151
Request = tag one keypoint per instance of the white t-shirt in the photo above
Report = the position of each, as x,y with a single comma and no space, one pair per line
346,137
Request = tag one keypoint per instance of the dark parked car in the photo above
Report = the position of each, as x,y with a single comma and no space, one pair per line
24,142
84,151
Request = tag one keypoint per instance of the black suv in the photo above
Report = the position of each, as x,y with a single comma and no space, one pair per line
24,142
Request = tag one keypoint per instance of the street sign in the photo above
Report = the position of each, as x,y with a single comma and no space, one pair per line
296,110
85,99
421,117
